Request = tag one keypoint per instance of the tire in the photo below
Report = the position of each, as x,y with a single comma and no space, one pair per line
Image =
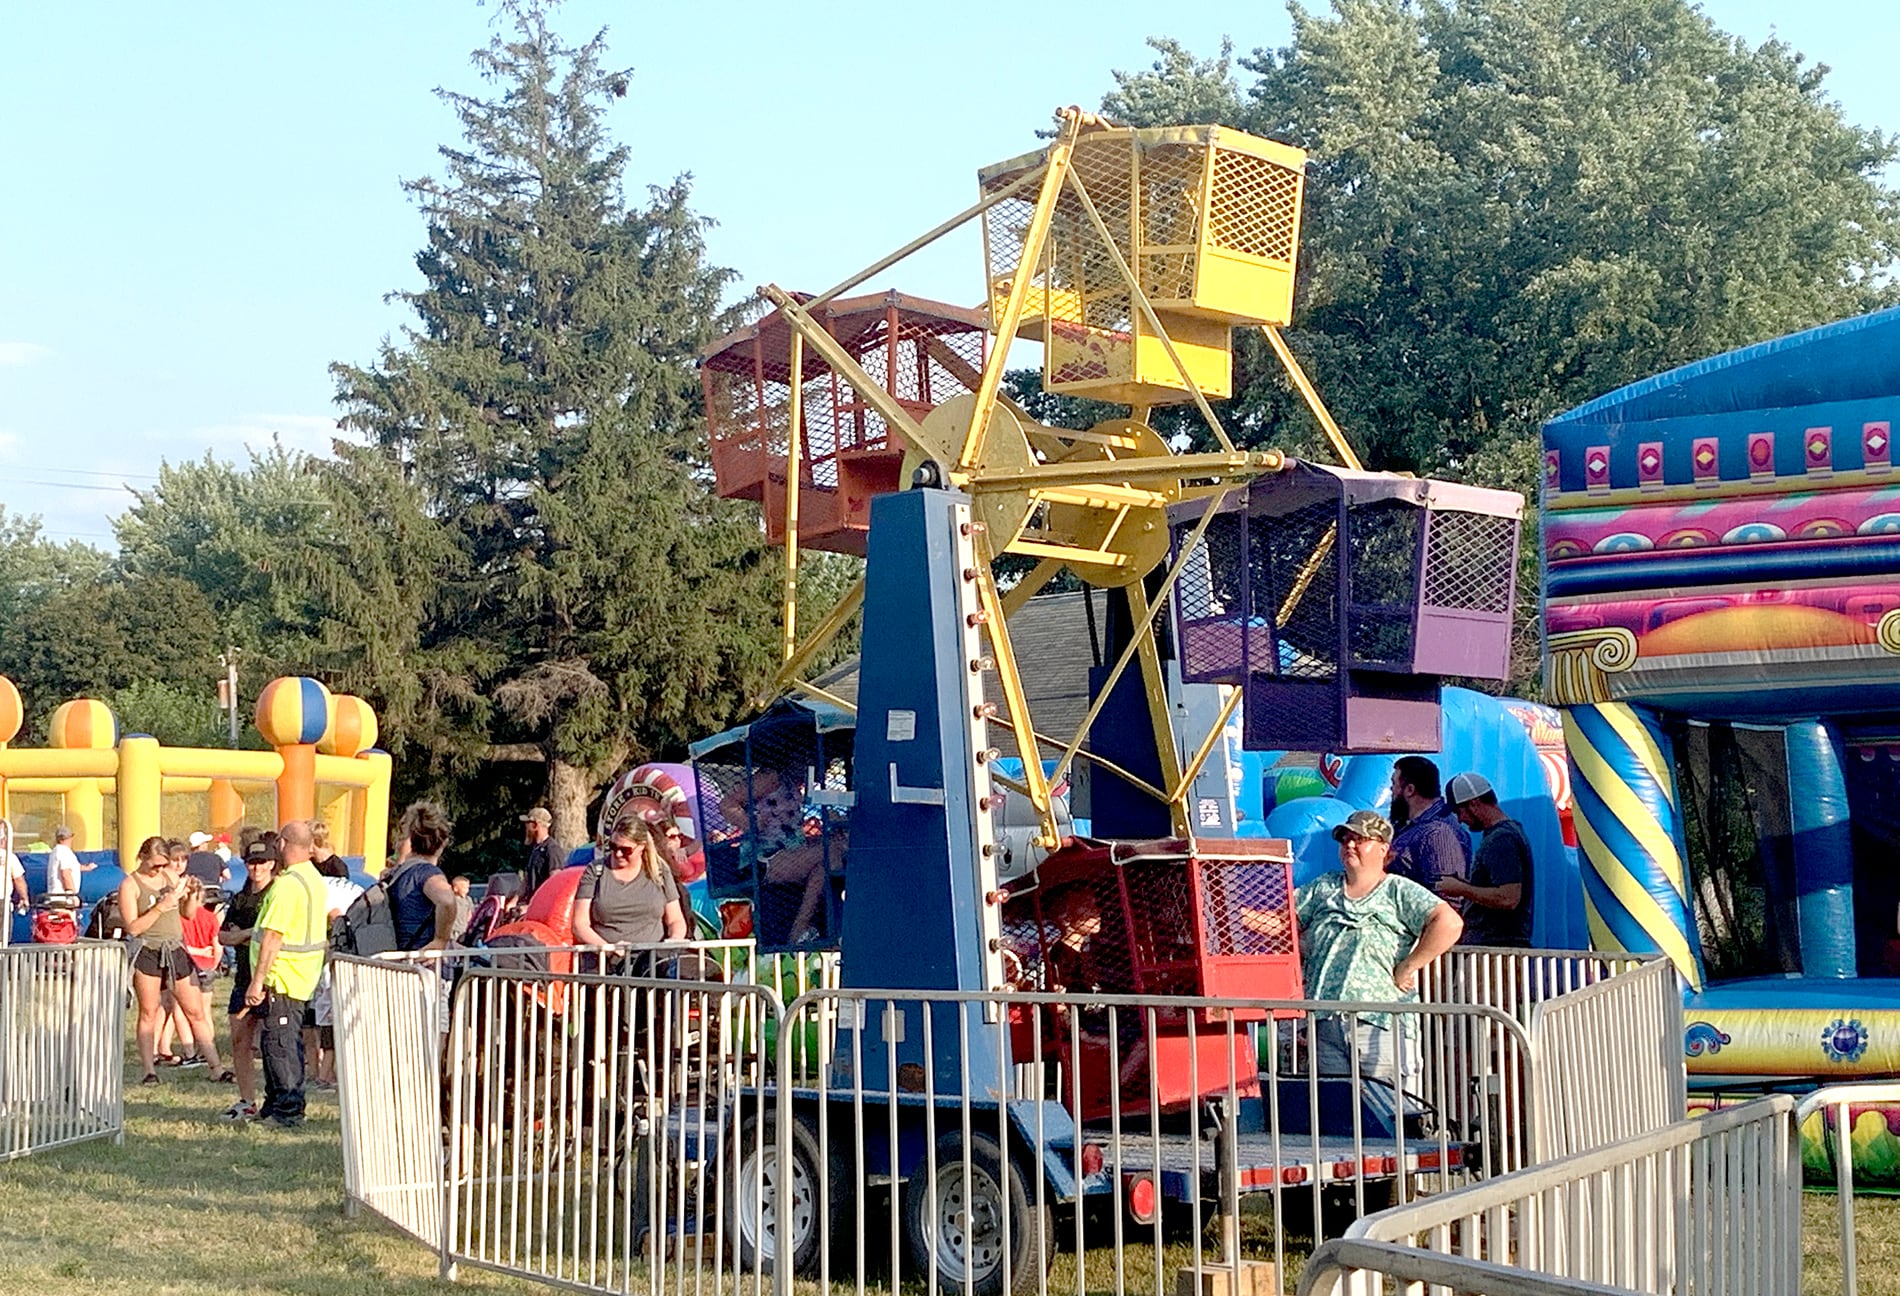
965,1240
752,1199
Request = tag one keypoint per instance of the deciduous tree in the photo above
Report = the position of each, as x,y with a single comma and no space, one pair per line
1514,206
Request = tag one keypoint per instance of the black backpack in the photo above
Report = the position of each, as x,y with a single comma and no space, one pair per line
368,926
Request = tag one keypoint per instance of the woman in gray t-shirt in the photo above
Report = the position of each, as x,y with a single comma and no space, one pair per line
629,897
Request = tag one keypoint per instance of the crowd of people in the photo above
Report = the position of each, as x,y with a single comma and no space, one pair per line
1408,888
194,911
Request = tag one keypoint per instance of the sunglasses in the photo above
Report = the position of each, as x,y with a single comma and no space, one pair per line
625,852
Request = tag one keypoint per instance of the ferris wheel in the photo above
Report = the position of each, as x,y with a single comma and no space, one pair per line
1130,255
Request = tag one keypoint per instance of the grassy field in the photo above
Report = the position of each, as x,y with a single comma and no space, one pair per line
191,1207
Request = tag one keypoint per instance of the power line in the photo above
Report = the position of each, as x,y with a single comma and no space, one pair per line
59,485
78,472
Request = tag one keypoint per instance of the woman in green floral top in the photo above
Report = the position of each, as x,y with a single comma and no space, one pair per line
1364,937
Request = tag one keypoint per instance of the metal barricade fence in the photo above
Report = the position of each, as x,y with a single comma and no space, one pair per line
1606,1030
391,1014
62,1045
1609,1062
1354,1265
606,1132
1701,1206
388,1050
1838,1110
619,1132
986,1143
1515,981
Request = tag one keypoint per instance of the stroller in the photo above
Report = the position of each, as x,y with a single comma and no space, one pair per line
55,918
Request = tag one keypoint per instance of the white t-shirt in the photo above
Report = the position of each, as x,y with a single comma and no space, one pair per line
61,859
15,869
340,894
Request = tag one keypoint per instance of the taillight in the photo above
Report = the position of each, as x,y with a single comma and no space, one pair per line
1092,1159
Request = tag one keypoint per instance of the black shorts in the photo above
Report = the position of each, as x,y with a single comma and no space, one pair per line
170,964
238,992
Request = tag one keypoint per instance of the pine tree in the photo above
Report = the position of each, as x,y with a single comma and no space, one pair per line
597,605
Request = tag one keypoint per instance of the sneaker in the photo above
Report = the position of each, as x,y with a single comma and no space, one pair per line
191,1062
238,1112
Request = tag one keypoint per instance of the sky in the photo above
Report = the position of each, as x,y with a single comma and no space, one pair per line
200,204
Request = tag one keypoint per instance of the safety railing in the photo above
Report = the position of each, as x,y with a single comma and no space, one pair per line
1345,1265
1702,1206
1596,1087
986,1143
1609,1061
1515,981
602,1129
62,1040
385,1013
1836,1112
676,1127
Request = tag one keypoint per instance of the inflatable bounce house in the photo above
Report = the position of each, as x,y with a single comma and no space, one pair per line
1517,745
1721,549
116,790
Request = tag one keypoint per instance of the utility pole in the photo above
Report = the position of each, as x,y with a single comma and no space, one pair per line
228,689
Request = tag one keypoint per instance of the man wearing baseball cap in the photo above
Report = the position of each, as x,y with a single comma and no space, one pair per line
203,862
545,856
1364,936
1426,843
1498,896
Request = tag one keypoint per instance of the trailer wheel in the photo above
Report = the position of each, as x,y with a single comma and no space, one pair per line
959,1228
754,1198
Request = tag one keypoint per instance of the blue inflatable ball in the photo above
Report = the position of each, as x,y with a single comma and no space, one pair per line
1308,823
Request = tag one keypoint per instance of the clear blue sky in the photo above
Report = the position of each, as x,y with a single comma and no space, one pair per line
200,206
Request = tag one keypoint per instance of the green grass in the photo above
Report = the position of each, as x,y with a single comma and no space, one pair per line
188,1206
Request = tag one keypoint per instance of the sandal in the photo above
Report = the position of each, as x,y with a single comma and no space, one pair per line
226,1076
167,1059
149,1078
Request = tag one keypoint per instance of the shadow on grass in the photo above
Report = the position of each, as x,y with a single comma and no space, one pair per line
189,1204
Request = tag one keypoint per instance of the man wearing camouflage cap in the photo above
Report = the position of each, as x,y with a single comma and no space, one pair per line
1364,937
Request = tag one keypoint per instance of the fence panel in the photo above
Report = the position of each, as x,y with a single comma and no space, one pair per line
1355,1267
1839,1109
617,1133
1699,1207
983,1143
1609,1062
1515,981
606,1132
62,1044
387,1015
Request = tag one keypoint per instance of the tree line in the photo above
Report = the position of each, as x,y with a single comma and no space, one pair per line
513,549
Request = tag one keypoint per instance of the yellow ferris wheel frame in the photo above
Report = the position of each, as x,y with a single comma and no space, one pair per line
1093,501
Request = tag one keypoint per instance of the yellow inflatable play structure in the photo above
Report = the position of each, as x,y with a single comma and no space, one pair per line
116,790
